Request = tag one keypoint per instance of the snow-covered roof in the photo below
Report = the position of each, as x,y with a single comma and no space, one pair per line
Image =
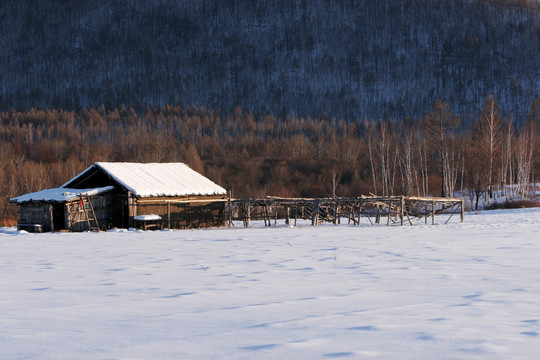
147,217
158,179
60,194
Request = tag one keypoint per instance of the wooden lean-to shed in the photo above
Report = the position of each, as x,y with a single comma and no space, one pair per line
116,194
64,209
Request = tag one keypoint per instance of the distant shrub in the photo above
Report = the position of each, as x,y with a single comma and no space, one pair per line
514,204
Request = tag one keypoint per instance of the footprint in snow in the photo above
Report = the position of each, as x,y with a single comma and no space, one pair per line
339,354
363,328
258,347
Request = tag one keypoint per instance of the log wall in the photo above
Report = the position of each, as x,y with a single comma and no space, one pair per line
103,208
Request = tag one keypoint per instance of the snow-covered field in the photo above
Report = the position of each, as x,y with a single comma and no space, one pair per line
456,291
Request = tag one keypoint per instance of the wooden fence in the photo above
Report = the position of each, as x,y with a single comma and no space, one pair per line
394,210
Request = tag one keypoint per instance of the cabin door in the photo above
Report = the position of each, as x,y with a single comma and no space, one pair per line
120,213
58,217
125,214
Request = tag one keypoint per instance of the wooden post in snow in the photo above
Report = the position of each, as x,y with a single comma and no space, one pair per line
401,208
169,215
51,215
266,216
315,215
248,214
132,209
433,212
230,210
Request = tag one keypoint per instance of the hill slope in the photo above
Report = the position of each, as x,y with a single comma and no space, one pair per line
348,58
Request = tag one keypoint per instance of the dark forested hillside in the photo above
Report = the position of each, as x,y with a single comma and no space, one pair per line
351,59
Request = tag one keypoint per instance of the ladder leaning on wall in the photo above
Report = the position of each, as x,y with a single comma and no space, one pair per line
89,213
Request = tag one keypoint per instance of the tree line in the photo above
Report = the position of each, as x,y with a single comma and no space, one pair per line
255,155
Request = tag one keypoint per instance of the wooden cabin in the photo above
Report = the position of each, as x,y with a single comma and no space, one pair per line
111,195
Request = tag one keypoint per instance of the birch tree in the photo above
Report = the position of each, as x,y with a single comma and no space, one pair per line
407,162
524,158
507,168
490,138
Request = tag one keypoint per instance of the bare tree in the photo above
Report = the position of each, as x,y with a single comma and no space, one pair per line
439,126
490,137
408,164
387,154
476,176
370,139
422,156
335,178
524,159
507,169
453,158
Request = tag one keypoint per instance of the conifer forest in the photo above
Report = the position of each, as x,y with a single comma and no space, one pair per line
292,98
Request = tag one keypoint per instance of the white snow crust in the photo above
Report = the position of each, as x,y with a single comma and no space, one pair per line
60,194
160,179
458,291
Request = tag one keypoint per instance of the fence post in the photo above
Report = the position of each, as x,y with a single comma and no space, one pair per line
402,209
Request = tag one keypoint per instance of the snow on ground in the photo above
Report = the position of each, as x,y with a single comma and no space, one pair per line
456,291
